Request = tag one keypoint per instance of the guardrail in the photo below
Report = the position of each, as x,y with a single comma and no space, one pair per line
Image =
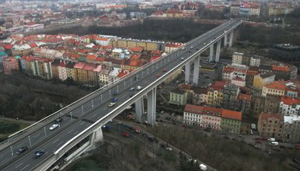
96,93
63,149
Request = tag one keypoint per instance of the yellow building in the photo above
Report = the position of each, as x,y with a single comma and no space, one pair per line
152,46
215,94
263,79
173,13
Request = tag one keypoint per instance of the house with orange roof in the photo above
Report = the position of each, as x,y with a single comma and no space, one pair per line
275,88
137,50
10,64
192,114
174,13
211,118
289,106
103,41
270,125
158,14
62,70
231,121
282,72
79,73
88,74
91,58
171,46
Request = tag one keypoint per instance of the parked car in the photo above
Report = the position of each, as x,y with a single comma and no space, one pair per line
39,153
54,126
21,150
125,134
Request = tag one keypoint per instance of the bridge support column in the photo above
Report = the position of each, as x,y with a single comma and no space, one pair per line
211,52
139,109
218,51
230,39
187,72
151,107
225,40
97,135
196,70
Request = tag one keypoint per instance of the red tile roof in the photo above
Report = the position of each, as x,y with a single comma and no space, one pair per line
91,57
193,109
279,85
280,68
242,96
290,100
219,85
232,114
264,116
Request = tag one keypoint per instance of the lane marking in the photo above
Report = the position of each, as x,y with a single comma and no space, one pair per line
76,132
60,143
71,131
24,167
19,165
55,141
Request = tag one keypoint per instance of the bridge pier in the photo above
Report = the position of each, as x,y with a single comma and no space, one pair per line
218,51
211,52
97,136
231,39
187,72
139,109
196,70
151,107
225,40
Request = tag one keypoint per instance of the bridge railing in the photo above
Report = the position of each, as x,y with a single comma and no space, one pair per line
71,107
97,125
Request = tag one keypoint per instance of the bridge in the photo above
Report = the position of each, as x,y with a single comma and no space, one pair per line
80,129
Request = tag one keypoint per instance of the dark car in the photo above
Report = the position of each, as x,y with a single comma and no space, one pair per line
115,93
131,95
21,150
39,153
296,161
114,99
151,139
58,120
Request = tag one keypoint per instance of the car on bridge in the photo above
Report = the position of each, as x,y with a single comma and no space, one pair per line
115,93
111,104
131,95
39,153
139,88
114,99
204,44
158,75
131,89
106,127
182,59
54,126
164,70
21,150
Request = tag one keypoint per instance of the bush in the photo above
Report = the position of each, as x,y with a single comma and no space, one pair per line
6,127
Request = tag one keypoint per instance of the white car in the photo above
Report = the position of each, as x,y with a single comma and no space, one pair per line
54,126
139,88
111,104
169,148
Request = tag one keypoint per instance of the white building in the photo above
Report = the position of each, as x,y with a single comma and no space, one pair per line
113,75
237,58
254,61
192,114
291,130
170,47
289,106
